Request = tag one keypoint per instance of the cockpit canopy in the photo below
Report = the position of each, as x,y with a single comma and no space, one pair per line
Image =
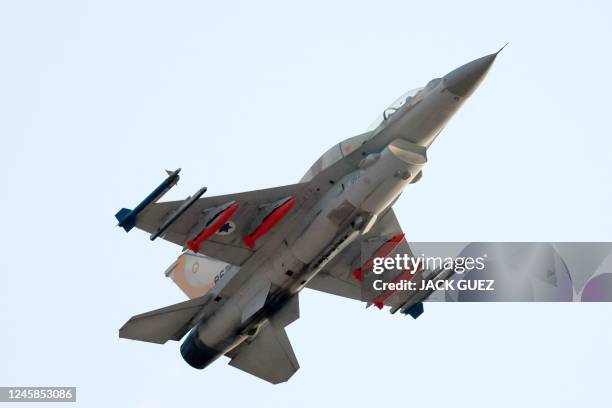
347,146
391,109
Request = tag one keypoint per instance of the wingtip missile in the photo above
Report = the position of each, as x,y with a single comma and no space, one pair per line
415,310
127,218
411,306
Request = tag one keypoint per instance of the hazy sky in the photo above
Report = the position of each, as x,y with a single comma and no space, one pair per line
97,98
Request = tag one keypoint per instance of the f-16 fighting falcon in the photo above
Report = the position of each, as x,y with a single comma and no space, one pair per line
247,256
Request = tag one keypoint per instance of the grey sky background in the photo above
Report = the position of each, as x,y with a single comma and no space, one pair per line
97,98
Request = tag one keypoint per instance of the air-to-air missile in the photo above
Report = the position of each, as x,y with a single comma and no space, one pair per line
127,217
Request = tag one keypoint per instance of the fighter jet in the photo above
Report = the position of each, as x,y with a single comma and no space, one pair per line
247,256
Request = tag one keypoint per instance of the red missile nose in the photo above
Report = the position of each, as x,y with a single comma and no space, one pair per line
358,274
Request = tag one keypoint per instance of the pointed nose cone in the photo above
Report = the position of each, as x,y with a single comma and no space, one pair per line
465,79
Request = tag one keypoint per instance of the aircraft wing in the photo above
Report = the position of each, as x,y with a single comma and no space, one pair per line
227,243
338,278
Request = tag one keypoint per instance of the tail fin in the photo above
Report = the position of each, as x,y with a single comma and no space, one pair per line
126,219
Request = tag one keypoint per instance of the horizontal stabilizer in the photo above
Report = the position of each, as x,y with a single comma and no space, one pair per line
168,323
269,357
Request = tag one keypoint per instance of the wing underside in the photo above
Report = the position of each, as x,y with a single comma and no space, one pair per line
342,277
227,242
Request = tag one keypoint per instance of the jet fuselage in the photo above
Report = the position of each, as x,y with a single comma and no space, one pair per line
390,158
